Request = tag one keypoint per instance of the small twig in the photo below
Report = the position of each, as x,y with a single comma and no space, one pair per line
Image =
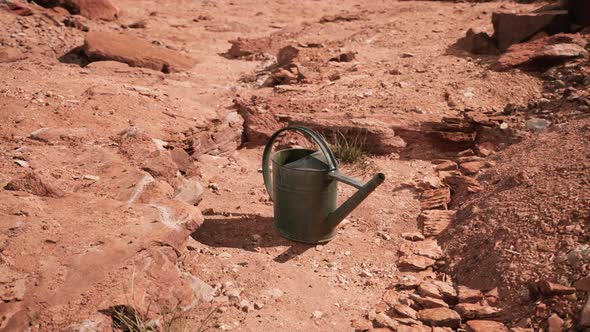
512,251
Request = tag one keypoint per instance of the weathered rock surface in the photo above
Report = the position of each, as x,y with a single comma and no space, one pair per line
548,288
554,324
485,326
477,311
415,263
92,9
511,28
190,192
468,295
428,248
544,51
478,41
440,317
435,198
222,136
9,54
428,302
375,136
34,184
57,135
583,284
434,222
105,46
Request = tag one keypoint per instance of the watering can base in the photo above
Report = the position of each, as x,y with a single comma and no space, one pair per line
288,236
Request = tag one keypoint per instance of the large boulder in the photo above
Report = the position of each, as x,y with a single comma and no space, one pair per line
136,52
92,9
512,28
477,41
544,51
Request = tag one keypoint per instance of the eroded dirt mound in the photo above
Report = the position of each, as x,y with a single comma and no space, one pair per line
532,214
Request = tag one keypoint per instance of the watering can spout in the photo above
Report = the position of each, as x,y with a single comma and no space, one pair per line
364,190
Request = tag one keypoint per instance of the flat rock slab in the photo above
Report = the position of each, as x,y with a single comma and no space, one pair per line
444,317
105,46
477,311
485,325
543,51
9,54
434,222
512,28
92,9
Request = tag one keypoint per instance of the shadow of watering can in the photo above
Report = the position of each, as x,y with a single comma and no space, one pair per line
304,189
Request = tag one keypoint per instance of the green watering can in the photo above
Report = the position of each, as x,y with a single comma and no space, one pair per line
304,189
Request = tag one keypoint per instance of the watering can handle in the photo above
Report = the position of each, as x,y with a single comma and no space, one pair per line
317,138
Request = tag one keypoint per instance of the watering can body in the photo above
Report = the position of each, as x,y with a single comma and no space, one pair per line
304,189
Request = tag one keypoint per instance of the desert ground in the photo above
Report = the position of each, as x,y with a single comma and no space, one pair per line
131,187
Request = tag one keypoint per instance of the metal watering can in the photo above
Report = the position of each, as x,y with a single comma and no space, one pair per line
304,189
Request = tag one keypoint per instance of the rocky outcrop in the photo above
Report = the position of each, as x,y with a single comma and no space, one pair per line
34,184
373,135
544,51
223,135
511,28
92,9
105,46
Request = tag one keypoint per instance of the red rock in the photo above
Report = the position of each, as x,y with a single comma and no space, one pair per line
9,54
583,284
478,41
249,48
511,28
544,50
361,324
477,311
555,324
287,55
104,46
551,289
440,317
472,167
429,289
412,328
415,263
446,165
92,9
435,198
442,329
382,320
224,136
160,166
12,285
191,192
428,302
521,329
405,311
434,222
428,248
34,184
17,8
181,158
466,294
57,135
260,124
485,326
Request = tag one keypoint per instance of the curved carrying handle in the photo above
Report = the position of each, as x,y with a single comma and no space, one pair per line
317,138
